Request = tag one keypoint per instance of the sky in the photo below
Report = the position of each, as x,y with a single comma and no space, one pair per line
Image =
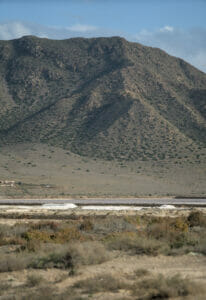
176,26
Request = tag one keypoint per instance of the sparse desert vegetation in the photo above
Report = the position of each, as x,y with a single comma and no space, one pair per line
106,256
49,179
104,98
100,117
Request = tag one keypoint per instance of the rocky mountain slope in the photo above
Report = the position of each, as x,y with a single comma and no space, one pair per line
101,97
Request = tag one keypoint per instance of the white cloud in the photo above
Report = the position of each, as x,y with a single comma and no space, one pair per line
167,29
81,28
187,44
13,30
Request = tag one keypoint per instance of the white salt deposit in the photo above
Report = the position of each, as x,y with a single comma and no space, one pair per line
167,206
66,206
40,207
59,206
107,207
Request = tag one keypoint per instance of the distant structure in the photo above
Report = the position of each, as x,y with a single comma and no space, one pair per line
9,183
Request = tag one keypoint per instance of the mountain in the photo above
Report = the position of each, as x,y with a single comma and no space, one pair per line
102,97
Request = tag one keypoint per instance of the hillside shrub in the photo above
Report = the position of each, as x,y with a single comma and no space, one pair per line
161,287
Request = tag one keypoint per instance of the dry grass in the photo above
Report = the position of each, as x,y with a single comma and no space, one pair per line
142,235
135,244
89,253
95,241
4,286
101,283
161,287
14,262
72,256
141,272
43,293
34,280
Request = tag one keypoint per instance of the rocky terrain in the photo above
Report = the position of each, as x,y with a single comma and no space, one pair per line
103,97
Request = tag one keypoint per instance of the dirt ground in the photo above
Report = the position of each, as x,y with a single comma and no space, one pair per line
188,266
42,171
120,265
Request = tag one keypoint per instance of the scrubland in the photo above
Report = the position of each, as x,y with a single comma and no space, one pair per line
106,256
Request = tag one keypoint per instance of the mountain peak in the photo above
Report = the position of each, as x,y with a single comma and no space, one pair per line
103,97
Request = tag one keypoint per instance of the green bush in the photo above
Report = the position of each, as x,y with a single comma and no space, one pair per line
196,218
61,260
71,256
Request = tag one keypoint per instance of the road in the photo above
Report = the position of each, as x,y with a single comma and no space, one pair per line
192,202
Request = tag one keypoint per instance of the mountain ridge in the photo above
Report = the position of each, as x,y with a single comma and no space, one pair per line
101,97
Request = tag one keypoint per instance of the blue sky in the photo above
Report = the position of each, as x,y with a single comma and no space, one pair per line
176,26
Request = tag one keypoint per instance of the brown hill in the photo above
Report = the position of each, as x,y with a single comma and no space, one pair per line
101,97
